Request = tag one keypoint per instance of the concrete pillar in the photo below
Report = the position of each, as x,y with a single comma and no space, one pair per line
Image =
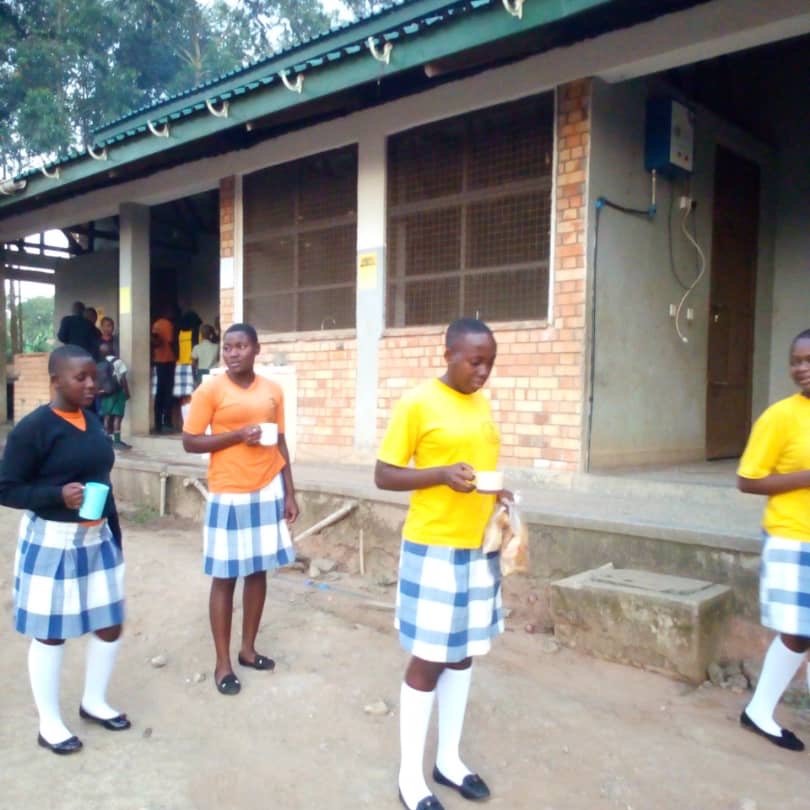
371,215
133,313
3,374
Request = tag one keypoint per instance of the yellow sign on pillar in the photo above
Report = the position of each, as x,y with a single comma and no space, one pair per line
124,301
367,271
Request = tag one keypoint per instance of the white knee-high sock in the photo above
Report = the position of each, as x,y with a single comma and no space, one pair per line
100,662
452,689
44,670
414,717
778,669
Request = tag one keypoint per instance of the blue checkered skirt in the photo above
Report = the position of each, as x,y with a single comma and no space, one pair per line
449,601
68,579
183,381
784,585
246,532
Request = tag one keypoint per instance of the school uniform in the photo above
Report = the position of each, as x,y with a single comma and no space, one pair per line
244,529
183,370
68,573
780,443
449,603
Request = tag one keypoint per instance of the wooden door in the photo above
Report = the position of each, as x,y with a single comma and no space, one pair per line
731,304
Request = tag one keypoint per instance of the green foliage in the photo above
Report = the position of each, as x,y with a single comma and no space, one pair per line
67,66
37,325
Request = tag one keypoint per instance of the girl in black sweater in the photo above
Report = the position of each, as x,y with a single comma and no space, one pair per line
68,572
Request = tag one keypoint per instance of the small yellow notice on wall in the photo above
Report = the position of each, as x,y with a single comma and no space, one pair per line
124,301
366,271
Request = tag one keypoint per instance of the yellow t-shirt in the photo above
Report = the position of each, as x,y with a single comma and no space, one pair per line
434,425
184,347
226,407
780,443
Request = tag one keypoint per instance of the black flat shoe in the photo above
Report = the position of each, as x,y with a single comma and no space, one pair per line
428,803
259,662
229,685
787,739
472,786
118,723
69,746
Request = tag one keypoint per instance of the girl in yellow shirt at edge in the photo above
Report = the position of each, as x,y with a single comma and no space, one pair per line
776,463
449,594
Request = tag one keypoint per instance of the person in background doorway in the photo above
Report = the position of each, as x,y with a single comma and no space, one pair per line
449,597
108,334
205,354
75,329
163,360
776,463
68,572
251,495
188,336
92,316
113,388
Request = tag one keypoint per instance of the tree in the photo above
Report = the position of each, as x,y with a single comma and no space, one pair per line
67,66
36,316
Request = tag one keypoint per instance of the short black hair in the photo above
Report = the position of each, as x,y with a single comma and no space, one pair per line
77,308
465,326
108,318
246,328
105,347
805,335
64,353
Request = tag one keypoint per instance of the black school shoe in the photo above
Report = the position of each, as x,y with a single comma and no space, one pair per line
787,739
472,786
118,723
428,803
69,746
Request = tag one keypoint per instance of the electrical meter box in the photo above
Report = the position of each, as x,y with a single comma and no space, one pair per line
670,137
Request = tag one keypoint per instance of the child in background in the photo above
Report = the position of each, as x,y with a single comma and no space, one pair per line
111,373
108,333
205,354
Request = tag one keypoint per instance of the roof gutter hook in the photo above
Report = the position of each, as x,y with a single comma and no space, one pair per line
383,55
293,87
514,7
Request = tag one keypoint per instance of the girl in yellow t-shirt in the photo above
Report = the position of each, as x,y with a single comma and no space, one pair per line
776,463
449,597
251,495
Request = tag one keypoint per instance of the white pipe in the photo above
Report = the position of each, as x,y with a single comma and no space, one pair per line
164,477
328,520
197,484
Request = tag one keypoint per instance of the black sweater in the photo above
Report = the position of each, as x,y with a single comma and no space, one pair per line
43,453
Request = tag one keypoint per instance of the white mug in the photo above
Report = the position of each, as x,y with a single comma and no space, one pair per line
489,481
269,433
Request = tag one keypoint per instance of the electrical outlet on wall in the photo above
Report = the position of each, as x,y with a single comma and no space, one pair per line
684,202
673,310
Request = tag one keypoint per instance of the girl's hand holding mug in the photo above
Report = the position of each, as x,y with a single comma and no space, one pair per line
73,495
460,477
250,434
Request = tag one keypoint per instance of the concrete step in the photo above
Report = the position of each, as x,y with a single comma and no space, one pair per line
666,623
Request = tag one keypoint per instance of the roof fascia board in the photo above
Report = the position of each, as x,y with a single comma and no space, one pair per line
432,44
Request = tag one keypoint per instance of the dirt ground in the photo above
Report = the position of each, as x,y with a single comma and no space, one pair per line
550,729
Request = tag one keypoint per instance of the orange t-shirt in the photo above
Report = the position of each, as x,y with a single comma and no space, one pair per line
226,407
76,418
163,353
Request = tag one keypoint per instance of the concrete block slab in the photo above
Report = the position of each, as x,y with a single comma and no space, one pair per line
666,623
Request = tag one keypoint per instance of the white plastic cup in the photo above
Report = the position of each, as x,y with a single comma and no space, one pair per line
489,481
269,433
94,500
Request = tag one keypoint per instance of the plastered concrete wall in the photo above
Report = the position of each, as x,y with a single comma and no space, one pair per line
791,294
649,386
93,279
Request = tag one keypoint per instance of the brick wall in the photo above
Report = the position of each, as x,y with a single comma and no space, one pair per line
325,372
536,387
226,237
32,386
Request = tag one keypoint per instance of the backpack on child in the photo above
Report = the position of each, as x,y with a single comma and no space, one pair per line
106,381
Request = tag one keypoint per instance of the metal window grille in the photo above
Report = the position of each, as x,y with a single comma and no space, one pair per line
300,243
469,216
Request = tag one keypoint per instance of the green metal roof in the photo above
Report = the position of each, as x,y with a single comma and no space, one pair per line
420,31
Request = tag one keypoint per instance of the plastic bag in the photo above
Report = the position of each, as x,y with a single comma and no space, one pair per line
508,533
515,549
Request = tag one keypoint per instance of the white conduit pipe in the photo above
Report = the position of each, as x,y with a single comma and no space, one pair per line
164,477
328,520
197,484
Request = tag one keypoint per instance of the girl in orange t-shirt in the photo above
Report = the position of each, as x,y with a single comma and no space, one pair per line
251,494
